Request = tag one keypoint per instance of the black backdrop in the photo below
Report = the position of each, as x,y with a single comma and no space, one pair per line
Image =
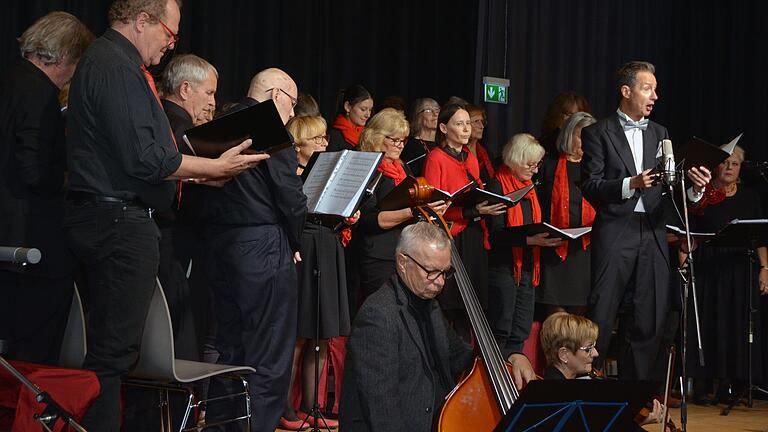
709,57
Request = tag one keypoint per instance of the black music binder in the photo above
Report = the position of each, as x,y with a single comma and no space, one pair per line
260,122
544,227
697,152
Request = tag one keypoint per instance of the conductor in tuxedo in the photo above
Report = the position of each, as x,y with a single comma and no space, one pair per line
629,262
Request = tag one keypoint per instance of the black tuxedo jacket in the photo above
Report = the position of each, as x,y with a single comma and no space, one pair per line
606,162
388,383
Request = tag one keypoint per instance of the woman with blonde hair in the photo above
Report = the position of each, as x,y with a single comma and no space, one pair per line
321,252
379,231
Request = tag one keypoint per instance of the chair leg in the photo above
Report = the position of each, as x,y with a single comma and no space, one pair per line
165,412
190,396
246,389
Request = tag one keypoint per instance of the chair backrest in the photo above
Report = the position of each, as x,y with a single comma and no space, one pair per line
74,345
156,355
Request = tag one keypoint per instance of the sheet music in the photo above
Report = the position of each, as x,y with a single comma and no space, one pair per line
678,230
318,179
572,233
732,145
340,182
517,195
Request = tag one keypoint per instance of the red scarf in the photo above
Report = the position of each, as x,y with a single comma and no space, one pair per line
509,184
711,196
151,81
485,161
350,131
393,170
560,208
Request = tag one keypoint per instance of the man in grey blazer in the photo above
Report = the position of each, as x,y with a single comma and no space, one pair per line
402,358
630,259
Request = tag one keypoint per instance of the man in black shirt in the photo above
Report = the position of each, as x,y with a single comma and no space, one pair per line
254,230
32,163
121,153
189,88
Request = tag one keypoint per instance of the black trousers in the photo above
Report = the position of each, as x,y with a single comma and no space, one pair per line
254,281
118,245
636,274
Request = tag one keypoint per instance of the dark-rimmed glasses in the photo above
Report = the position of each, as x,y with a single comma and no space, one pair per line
294,100
395,141
432,275
535,166
318,139
174,36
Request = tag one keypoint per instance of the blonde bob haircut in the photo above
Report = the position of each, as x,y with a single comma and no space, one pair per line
521,150
566,330
306,127
387,122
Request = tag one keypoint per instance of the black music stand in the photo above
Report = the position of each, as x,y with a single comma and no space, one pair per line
749,234
577,405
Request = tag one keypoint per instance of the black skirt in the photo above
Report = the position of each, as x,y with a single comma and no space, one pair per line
565,283
469,244
321,250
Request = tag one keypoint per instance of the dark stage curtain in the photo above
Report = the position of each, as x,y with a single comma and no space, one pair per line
710,58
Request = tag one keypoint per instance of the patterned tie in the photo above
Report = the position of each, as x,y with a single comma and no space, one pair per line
629,124
151,82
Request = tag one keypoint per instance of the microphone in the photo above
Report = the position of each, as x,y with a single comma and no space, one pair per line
19,255
669,173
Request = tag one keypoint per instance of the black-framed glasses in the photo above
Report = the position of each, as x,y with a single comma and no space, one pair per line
432,275
294,100
174,36
588,349
395,141
535,166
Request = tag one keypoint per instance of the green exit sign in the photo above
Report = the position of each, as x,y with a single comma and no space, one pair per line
495,90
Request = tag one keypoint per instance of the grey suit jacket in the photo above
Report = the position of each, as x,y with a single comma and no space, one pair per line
606,162
388,383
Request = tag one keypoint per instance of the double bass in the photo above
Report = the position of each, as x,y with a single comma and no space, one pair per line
484,395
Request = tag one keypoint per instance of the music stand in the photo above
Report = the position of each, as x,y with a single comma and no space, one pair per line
576,405
749,234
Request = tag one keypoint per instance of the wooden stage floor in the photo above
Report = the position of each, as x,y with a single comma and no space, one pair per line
708,419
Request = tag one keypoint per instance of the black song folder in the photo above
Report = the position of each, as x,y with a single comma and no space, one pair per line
260,122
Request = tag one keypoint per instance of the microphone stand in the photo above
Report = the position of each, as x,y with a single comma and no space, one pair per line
688,277
53,411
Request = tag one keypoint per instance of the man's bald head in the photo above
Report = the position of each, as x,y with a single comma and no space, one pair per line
277,85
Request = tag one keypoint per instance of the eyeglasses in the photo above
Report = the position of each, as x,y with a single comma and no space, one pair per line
588,349
174,36
395,141
479,122
535,166
435,111
294,100
318,139
432,275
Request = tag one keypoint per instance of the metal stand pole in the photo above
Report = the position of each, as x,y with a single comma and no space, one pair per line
53,411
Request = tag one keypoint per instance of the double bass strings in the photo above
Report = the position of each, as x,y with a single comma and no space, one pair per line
505,389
